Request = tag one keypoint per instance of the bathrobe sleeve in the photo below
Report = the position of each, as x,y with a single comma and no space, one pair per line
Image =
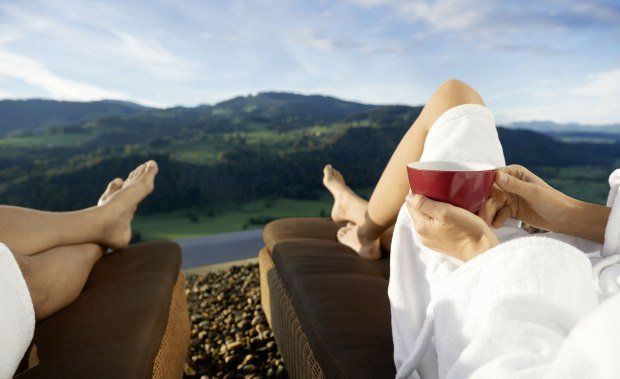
612,232
607,269
526,309
16,314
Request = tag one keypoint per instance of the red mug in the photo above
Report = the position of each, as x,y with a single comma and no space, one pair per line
464,184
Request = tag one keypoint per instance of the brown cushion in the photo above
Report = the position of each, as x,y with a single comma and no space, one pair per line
287,229
340,299
115,327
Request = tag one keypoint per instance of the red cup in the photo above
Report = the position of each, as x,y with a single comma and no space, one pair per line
463,184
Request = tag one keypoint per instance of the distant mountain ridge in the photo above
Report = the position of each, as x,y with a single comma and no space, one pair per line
282,110
38,114
550,127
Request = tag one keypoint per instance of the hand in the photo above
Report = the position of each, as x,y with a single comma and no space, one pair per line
495,210
449,229
519,193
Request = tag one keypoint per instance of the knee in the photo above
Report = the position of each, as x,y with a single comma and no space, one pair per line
460,92
25,266
455,86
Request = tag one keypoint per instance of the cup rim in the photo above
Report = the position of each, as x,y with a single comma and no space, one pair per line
432,166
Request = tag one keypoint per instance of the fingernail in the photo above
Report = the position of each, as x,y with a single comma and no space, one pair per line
410,199
414,200
503,178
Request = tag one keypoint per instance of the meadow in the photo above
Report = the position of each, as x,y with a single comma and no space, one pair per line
585,183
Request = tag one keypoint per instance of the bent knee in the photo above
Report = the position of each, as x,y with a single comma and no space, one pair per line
460,92
25,266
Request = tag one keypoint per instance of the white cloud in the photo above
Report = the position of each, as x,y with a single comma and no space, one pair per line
480,17
446,15
96,30
35,74
594,101
150,55
311,38
602,84
6,94
19,24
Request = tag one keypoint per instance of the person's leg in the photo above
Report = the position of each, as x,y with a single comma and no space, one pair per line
28,232
55,262
56,277
381,211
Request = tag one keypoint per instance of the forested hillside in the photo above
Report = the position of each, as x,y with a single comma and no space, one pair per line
269,145
23,116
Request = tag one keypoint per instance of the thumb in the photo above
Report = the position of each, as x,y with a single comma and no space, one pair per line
514,185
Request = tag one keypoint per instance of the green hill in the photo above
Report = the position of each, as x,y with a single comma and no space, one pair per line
271,145
34,115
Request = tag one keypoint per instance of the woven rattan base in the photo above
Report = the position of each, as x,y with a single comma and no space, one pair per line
291,340
172,353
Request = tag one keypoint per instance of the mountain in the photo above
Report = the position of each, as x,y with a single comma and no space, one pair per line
273,111
572,132
33,115
552,127
289,110
246,148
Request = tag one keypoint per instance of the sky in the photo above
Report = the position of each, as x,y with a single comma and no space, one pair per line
556,60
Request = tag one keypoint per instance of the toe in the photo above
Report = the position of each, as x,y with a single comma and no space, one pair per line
152,167
137,171
115,185
338,175
327,171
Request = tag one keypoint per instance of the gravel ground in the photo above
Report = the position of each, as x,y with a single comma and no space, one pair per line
230,335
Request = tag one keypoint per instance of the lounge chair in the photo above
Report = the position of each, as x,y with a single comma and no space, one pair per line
130,321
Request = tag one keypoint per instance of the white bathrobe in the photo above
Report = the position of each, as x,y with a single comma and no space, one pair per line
16,314
532,307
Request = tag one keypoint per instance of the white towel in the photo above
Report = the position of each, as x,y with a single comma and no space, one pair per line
417,274
526,309
463,133
16,314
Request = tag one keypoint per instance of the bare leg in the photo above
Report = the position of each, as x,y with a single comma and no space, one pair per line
348,206
393,186
28,232
56,277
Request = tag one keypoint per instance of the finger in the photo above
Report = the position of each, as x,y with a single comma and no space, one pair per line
487,212
490,207
428,207
512,184
421,222
443,213
522,173
501,217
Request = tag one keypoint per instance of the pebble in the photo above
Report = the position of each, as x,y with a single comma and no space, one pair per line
230,335
258,320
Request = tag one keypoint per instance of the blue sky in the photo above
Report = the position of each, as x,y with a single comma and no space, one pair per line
553,60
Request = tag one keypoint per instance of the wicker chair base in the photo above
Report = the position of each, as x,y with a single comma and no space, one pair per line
292,342
172,354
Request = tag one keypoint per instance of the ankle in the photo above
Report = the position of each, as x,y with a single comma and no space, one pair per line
364,236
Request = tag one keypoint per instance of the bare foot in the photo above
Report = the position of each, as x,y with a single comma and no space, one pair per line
119,204
113,186
348,236
348,206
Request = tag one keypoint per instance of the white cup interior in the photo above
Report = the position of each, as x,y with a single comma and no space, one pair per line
451,166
